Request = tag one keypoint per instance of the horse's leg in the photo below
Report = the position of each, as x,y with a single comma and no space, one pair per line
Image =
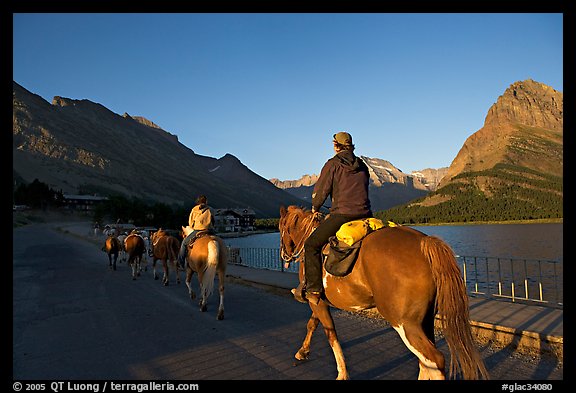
154,268
304,350
138,260
177,269
189,274
221,276
115,259
110,261
165,279
430,359
203,298
322,312
132,263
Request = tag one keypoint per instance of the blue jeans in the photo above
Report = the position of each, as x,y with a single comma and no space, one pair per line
183,247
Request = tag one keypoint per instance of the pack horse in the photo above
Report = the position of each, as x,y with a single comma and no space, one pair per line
408,277
135,248
165,247
112,247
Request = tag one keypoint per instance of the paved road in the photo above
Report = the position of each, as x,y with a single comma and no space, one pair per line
76,319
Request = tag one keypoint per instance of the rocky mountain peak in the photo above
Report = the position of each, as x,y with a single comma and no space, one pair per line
525,120
529,103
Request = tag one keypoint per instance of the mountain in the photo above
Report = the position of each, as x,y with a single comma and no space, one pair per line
81,147
523,128
389,186
511,168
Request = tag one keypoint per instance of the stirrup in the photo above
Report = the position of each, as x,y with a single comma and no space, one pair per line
298,293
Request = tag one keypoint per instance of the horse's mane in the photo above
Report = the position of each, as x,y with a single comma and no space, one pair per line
294,214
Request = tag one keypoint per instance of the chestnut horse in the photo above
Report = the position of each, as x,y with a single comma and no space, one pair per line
135,248
112,247
207,256
408,277
165,247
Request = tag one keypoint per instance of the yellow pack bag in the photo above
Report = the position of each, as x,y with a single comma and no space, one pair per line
353,231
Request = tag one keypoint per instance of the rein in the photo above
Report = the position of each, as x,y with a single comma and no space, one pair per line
297,254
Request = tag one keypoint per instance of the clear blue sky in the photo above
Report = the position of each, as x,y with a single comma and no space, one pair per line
272,88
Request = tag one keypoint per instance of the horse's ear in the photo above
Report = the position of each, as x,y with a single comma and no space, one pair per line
282,211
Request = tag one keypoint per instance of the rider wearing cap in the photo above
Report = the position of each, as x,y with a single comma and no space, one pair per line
344,178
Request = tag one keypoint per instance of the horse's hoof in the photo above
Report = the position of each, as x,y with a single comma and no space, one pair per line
220,316
203,308
155,278
301,355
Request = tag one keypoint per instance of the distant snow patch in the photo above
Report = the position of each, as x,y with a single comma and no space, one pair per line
215,169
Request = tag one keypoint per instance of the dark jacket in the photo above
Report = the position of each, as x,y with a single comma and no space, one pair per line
345,178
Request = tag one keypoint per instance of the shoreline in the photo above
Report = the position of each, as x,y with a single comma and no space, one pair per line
35,216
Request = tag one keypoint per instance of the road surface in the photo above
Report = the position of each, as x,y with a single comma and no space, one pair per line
75,319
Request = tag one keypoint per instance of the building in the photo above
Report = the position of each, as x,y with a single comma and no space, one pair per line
81,202
234,220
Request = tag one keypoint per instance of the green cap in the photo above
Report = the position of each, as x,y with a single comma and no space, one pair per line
343,138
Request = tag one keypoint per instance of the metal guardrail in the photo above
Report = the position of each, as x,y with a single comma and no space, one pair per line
535,281
514,279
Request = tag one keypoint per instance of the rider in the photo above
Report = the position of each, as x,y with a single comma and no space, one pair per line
345,178
201,218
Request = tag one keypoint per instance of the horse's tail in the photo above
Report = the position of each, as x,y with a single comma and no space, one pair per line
173,250
452,306
212,259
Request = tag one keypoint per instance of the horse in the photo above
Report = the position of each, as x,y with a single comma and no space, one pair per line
112,247
122,253
206,256
165,247
135,248
408,277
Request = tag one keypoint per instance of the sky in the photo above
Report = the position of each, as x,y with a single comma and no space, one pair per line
273,88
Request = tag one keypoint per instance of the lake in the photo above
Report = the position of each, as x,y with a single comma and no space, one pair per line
531,241
509,260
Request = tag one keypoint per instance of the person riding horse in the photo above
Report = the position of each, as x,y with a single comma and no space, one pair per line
201,220
345,178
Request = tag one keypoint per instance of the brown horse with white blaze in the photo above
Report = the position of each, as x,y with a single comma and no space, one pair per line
165,247
206,256
135,248
408,277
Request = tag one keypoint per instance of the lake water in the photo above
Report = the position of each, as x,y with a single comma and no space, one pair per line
489,254
531,241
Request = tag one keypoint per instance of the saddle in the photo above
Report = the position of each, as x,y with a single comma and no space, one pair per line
199,234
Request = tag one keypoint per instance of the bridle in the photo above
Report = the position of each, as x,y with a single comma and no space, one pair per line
310,224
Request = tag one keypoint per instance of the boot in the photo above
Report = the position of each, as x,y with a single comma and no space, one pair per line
298,292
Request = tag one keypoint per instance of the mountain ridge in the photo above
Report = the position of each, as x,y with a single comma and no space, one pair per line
81,147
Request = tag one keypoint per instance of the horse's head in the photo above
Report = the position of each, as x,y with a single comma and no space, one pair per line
295,225
286,241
